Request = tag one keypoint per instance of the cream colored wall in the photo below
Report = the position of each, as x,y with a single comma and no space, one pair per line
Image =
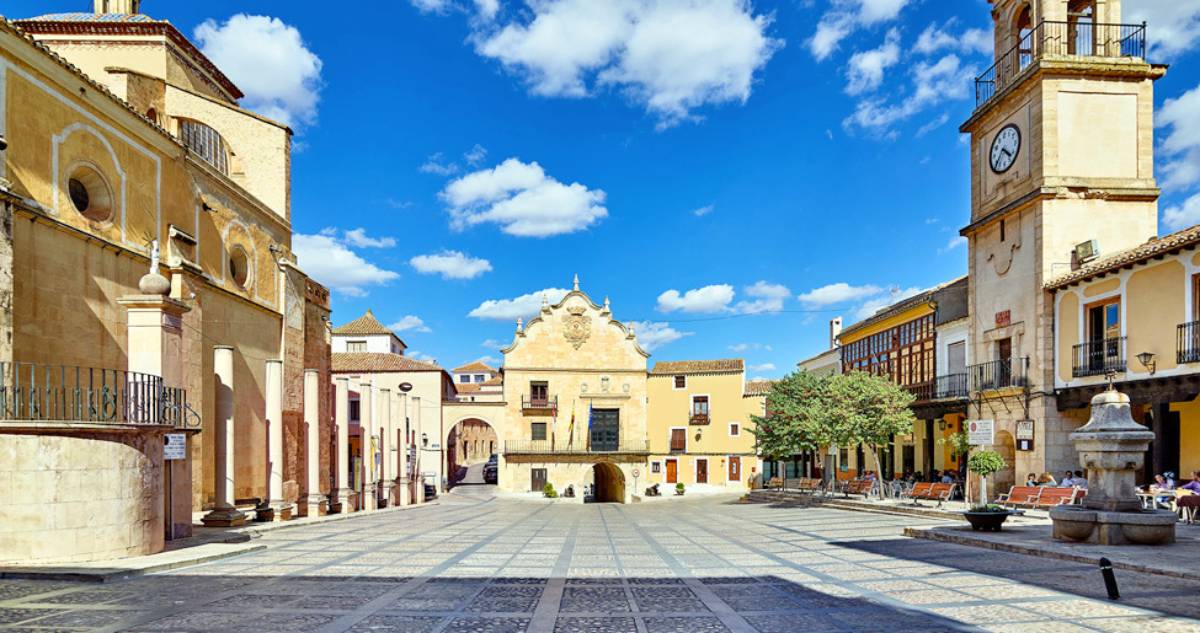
1068,332
1189,437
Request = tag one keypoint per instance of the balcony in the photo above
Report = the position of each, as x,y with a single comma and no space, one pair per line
1060,39
998,374
577,447
539,405
61,393
948,387
1187,342
699,419
1097,358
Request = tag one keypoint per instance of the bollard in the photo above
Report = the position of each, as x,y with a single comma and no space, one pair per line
1110,579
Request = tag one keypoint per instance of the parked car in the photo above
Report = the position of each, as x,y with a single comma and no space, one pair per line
491,470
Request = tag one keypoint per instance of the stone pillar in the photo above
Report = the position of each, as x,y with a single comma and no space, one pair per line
224,514
340,495
401,422
313,504
369,427
418,481
155,344
280,508
386,446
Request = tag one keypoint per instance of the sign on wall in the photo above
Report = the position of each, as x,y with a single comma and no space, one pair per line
174,446
981,432
1004,318
1024,435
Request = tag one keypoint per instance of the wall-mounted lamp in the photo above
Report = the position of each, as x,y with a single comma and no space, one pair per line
3,143
942,425
424,439
1147,361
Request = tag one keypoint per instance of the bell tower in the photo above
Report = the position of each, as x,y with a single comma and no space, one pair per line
102,7
1061,154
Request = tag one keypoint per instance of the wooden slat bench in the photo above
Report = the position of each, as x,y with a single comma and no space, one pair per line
809,485
858,487
1051,497
931,491
1021,496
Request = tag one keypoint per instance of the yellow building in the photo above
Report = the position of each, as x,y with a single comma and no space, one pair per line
125,151
699,424
1133,314
1062,153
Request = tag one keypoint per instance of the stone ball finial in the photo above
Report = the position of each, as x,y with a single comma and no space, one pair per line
154,284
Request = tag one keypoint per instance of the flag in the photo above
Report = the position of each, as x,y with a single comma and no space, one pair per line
589,434
571,427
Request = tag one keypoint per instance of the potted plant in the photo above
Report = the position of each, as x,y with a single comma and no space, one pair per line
679,488
984,516
548,491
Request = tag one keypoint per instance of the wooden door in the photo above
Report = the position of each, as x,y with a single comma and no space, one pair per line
735,469
537,479
701,471
672,471
606,429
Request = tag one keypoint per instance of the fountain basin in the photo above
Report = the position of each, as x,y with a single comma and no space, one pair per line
1084,525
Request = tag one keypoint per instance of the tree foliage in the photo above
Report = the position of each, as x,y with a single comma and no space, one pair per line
806,412
985,463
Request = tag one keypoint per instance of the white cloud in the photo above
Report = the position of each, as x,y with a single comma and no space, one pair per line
954,244
703,211
840,292
1180,149
933,125
475,155
523,200
421,356
1174,26
767,297
715,298
669,56
846,16
895,295
492,343
866,68
935,38
268,60
742,347
652,335
409,322
933,83
330,261
1182,215
762,367
524,306
436,164
432,6
487,9
358,237
451,265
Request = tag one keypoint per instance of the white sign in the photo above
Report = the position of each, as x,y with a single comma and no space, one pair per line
174,446
981,432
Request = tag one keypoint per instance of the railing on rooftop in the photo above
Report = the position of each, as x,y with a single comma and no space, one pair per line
1187,342
1067,39
998,374
578,446
63,393
1097,358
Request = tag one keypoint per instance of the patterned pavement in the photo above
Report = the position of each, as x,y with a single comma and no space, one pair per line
474,564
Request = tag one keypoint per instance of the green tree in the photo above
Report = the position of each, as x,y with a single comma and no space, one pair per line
807,412
985,463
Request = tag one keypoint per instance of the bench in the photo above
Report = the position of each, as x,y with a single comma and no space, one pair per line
1051,497
774,483
809,485
1025,496
932,491
858,486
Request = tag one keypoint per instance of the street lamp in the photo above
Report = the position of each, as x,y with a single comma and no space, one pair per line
1147,361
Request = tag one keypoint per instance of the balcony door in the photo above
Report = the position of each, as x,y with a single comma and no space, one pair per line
956,358
1103,335
606,429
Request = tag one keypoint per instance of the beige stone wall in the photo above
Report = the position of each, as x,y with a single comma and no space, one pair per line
79,495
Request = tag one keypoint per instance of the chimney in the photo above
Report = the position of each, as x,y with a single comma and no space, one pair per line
835,329
116,6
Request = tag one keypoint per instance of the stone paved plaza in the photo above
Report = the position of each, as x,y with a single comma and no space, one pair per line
693,565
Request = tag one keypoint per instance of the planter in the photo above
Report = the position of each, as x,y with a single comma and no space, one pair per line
988,521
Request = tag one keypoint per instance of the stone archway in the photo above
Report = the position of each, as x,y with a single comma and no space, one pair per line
469,445
609,483
1005,479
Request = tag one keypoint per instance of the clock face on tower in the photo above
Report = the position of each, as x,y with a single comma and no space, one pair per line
1005,148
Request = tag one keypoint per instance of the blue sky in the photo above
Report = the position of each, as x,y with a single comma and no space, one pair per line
731,174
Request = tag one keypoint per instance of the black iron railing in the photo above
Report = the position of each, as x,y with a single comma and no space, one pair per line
699,419
1187,342
33,392
578,446
947,387
1069,39
1096,358
539,402
998,374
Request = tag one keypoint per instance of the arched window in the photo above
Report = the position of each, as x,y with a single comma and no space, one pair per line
1081,27
206,143
90,194
239,266
1023,31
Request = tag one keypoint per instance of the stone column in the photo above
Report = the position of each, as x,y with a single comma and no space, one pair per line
368,427
403,496
386,445
224,514
340,495
313,504
280,508
418,480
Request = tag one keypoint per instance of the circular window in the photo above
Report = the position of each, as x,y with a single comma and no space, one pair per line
89,194
239,266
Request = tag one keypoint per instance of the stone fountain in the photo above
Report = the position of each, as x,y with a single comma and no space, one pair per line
1112,447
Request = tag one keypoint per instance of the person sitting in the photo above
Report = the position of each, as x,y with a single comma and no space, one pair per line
1031,480
1068,480
1047,480
1163,484
1194,484
1080,480
946,478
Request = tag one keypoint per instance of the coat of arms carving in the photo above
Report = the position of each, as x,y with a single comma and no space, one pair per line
577,327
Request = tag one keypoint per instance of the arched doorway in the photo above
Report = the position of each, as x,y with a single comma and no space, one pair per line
1005,479
609,482
470,444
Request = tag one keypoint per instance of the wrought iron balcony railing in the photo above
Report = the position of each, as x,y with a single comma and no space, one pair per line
699,419
998,374
539,403
948,387
1096,358
61,393
578,446
1187,342
1067,39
